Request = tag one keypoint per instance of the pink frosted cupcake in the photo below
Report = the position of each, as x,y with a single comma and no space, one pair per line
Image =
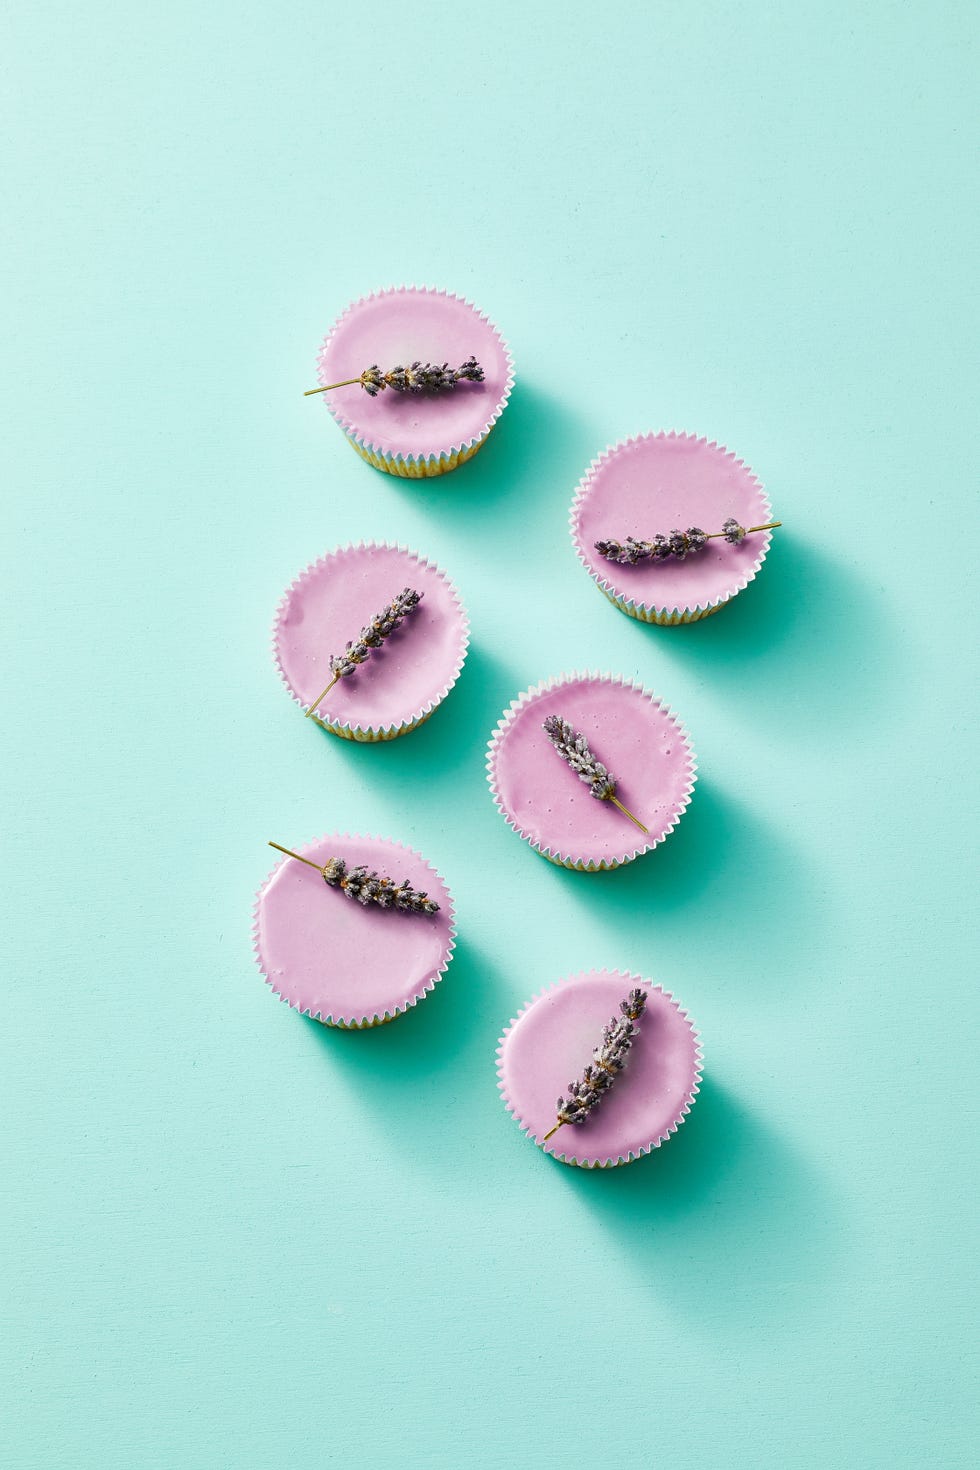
591,769
423,377
406,627
670,527
353,931
633,1057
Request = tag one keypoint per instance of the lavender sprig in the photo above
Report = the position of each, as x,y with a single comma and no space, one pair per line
381,626
418,377
365,887
608,1060
679,543
574,750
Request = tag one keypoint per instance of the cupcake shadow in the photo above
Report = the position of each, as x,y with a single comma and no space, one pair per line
723,1217
804,638
452,736
534,430
420,1065
720,853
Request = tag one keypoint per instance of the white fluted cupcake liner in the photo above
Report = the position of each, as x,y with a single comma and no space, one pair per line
416,469
425,466
630,979
346,730
583,862
664,616
369,1018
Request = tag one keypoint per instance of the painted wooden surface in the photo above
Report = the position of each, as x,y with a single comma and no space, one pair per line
236,1238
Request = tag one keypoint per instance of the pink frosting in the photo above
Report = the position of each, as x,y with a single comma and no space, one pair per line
398,326
636,738
662,483
339,960
328,605
550,1044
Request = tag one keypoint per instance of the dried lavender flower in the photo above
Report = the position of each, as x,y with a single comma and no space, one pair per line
608,1060
381,626
574,750
368,887
679,543
371,887
418,377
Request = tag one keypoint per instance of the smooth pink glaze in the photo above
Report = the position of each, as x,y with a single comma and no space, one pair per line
341,960
551,1043
327,607
398,327
663,483
638,741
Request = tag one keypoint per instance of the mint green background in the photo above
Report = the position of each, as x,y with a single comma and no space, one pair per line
234,1238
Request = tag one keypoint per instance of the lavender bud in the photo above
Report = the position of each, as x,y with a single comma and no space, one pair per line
471,371
574,750
372,380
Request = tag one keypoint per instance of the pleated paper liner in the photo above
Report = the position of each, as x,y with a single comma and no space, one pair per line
343,963
659,483
403,681
636,736
551,1040
415,436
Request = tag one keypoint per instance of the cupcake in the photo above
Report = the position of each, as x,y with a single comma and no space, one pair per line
591,769
370,639
670,527
353,931
423,377
633,1057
